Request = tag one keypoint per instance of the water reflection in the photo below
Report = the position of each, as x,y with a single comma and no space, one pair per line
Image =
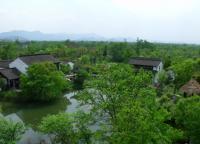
32,114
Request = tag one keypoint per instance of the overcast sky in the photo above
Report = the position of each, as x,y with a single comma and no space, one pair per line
154,20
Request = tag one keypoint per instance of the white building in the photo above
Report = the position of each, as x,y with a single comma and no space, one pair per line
22,63
11,70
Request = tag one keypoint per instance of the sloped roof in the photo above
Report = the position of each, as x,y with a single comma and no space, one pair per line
10,73
192,87
30,59
5,63
145,61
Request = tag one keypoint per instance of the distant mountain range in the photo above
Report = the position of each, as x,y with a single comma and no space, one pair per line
39,36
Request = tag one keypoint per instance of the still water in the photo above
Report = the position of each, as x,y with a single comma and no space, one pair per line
32,114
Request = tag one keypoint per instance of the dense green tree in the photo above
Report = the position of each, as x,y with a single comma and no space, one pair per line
81,123
162,77
161,80
116,82
43,82
130,102
60,127
187,117
10,132
183,71
143,44
60,51
9,51
105,51
116,51
65,68
85,59
81,76
137,124
196,76
67,129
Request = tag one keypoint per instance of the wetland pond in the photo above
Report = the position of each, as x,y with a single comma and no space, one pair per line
32,114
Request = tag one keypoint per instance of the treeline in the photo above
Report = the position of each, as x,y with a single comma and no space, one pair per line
87,54
108,51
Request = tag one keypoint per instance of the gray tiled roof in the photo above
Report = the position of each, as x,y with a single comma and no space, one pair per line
5,63
30,59
145,61
10,73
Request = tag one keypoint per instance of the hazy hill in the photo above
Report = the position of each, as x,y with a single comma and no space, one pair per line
39,36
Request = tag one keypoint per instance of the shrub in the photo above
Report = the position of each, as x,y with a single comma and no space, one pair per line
10,132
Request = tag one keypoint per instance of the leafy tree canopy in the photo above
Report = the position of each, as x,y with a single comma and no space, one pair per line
184,71
43,82
187,115
67,129
127,100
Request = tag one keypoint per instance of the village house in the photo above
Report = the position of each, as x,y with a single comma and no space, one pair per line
10,70
190,88
152,64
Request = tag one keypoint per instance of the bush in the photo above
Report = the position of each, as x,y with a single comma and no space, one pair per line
10,132
65,68
9,95
2,83
60,126
67,129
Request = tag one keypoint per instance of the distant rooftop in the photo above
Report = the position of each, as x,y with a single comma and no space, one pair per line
145,61
5,63
36,58
190,88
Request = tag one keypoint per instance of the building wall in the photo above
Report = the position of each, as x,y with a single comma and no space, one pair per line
19,65
71,64
159,67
